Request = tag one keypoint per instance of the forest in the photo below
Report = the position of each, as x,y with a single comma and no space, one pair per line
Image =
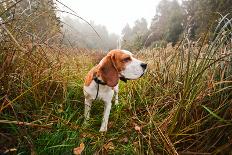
182,105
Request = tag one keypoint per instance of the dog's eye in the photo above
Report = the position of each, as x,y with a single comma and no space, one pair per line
126,59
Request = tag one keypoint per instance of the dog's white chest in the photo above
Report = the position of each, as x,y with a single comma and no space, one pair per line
104,92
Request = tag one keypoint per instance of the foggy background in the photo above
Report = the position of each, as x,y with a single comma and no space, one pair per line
139,24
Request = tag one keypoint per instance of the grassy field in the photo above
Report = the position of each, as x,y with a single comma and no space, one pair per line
182,105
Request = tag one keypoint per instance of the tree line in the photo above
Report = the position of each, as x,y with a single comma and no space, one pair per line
195,19
37,22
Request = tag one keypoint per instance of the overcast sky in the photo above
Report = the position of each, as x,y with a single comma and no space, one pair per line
114,14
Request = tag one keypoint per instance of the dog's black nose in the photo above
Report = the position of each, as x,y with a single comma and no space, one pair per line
143,65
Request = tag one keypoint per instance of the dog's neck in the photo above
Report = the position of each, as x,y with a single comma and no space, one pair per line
122,78
99,81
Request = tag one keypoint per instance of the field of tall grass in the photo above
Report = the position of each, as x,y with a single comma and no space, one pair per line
182,105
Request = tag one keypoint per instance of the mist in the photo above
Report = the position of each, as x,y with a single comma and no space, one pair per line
80,34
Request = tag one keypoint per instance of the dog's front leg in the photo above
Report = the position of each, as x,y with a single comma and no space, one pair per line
106,114
116,94
88,104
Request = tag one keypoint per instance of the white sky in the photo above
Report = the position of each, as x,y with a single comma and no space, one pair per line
114,14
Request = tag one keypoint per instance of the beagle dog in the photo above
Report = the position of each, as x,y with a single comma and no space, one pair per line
102,80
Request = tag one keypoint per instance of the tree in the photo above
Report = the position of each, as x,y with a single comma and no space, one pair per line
167,24
204,14
40,19
127,32
134,39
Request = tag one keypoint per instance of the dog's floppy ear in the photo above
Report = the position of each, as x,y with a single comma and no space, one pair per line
108,71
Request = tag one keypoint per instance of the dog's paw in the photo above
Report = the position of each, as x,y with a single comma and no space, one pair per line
103,129
85,123
116,102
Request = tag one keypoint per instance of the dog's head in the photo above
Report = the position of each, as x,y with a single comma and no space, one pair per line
120,64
